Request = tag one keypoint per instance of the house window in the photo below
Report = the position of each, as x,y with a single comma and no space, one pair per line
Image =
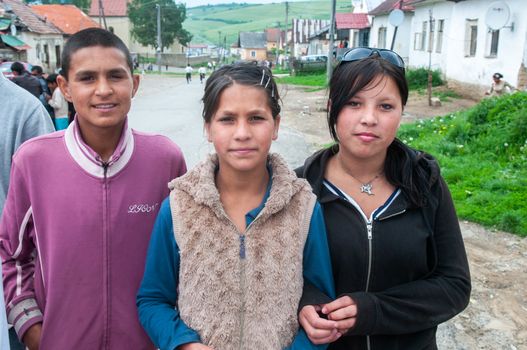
46,55
439,42
431,37
381,41
417,42
57,55
493,37
253,53
423,36
471,37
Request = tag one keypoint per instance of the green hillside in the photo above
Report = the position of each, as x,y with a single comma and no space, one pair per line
205,22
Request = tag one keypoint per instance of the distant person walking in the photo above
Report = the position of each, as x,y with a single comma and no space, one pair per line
499,86
202,71
38,73
24,79
188,71
58,102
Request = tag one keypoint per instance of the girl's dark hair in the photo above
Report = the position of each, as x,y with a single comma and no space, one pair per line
240,73
351,77
497,75
92,37
412,171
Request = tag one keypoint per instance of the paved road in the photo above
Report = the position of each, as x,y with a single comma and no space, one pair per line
169,106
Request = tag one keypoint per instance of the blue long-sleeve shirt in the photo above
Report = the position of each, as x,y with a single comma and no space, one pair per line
157,295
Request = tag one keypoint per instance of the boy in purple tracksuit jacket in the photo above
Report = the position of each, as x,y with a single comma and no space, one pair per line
80,209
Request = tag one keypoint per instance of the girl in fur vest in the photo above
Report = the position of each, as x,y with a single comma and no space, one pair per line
238,235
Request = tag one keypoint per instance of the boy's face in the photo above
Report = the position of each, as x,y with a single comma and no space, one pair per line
52,86
100,85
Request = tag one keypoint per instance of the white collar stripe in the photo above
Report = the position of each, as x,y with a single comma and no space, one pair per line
85,158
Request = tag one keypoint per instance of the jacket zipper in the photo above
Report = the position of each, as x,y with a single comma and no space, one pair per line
242,245
242,274
106,272
242,287
369,228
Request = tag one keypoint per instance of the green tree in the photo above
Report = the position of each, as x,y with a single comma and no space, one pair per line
143,15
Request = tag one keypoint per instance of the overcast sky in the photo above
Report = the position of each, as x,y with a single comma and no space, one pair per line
193,3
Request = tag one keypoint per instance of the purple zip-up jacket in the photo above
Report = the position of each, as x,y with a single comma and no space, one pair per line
74,235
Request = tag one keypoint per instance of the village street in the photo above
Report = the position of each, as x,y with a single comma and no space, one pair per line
171,107
496,317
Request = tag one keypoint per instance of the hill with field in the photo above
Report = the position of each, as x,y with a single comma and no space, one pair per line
212,24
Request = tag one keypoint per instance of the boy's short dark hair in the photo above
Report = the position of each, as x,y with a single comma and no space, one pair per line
18,67
37,69
52,78
92,37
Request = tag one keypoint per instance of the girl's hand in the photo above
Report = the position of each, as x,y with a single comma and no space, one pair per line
194,346
342,310
318,329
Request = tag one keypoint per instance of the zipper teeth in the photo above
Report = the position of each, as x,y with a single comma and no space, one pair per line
106,257
369,226
370,252
242,270
392,215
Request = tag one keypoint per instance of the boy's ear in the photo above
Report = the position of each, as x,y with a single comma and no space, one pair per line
63,84
136,79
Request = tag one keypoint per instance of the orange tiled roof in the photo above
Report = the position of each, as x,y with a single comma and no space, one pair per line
112,8
68,18
31,19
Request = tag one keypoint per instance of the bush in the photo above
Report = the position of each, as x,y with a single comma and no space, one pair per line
418,78
482,152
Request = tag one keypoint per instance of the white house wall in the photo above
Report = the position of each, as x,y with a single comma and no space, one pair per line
402,39
453,61
451,36
35,55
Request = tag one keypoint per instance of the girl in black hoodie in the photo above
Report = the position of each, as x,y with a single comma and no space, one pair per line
399,262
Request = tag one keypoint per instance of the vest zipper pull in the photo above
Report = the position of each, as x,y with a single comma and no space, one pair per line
242,246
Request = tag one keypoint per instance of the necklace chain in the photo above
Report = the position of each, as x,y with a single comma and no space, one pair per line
366,187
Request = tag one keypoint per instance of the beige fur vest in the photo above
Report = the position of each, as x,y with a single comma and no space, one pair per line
235,302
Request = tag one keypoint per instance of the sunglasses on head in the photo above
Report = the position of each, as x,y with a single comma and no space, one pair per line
360,53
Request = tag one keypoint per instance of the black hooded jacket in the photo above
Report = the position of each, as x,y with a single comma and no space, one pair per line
406,269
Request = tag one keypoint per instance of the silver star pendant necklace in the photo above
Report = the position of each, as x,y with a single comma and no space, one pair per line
367,187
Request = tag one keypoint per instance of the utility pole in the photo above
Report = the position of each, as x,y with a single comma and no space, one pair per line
159,44
430,42
224,48
219,47
286,46
101,14
329,66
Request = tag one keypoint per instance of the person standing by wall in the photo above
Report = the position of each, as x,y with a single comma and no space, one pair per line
25,80
38,73
499,86
58,102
